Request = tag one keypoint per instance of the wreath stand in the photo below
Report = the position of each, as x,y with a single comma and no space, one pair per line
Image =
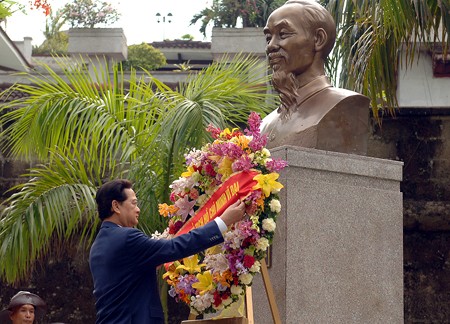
248,305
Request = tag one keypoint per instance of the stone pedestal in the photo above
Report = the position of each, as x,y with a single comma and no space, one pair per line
233,41
337,255
108,42
98,48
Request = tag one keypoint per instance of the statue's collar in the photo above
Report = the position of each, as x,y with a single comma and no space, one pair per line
311,88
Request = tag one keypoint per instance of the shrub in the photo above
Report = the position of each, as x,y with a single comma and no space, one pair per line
144,56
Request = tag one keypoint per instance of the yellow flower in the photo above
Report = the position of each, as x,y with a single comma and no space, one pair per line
267,182
216,249
225,168
188,173
172,272
166,210
190,264
205,282
242,141
227,133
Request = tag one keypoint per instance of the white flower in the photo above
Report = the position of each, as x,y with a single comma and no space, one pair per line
246,278
262,244
256,267
269,225
265,152
218,262
236,290
233,239
163,235
275,205
202,302
202,199
179,186
275,191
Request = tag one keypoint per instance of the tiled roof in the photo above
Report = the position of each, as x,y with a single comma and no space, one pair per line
181,43
11,95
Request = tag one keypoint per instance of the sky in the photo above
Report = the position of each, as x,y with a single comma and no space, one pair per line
138,20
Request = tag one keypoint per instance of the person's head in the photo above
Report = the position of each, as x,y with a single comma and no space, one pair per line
299,35
117,202
23,308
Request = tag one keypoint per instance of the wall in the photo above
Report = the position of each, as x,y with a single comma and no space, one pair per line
420,138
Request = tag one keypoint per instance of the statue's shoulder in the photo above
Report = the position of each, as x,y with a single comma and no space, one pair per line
344,96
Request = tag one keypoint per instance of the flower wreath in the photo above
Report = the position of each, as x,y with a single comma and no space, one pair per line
212,280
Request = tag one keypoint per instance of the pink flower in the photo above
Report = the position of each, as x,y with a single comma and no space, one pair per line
227,149
254,123
258,142
242,164
275,165
214,131
186,207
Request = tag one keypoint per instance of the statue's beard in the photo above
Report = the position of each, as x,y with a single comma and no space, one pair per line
286,85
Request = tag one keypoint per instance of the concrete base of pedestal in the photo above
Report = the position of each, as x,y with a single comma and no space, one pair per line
337,255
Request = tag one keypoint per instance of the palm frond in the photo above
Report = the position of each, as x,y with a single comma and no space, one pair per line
57,203
371,35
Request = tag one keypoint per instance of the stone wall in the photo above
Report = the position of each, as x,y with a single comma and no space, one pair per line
421,139
418,137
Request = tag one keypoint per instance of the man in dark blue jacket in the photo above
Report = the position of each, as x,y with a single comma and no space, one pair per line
123,260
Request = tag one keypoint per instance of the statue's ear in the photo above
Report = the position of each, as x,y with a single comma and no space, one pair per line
320,39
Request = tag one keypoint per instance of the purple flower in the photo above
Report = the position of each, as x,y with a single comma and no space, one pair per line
258,142
235,260
254,122
242,164
186,282
228,149
275,165
172,292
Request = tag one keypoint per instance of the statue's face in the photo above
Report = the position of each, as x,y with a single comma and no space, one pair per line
289,46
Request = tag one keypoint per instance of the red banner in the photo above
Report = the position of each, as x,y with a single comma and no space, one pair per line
238,186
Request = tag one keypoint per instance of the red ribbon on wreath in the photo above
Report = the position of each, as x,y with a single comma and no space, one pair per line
238,186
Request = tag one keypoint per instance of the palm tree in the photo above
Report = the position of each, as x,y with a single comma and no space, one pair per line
225,13
371,36
87,129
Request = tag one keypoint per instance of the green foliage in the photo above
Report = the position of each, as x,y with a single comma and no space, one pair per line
8,7
225,13
183,67
144,57
86,129
57,44
370,37
90,13
187,37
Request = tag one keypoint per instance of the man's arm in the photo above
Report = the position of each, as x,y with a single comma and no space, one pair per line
146,251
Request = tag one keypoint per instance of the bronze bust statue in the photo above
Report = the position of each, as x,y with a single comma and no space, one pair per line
300,35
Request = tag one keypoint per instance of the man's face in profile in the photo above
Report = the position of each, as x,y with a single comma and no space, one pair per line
289,47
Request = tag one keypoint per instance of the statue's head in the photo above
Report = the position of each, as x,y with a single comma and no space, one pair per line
296,33
299,35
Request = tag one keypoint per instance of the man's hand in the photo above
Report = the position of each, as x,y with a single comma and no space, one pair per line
233,213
